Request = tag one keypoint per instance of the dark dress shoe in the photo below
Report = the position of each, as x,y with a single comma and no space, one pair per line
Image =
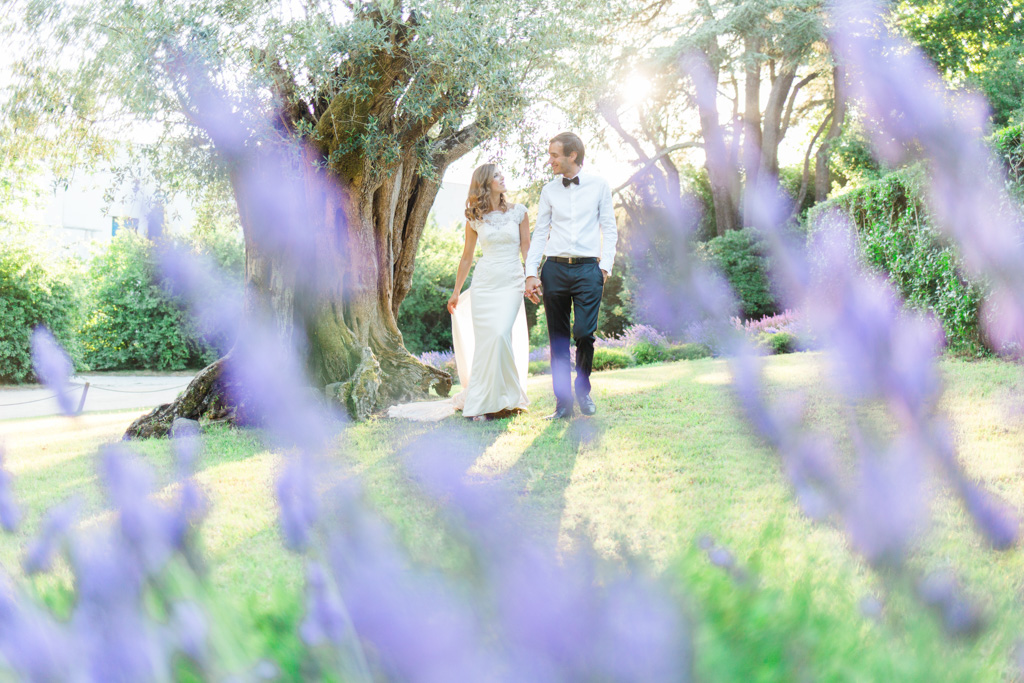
562,413
587,406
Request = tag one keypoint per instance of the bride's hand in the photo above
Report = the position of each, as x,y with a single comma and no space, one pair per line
453,301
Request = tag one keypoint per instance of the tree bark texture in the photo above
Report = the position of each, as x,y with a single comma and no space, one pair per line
822,172
331,236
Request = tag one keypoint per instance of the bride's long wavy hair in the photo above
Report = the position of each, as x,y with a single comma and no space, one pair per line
479,201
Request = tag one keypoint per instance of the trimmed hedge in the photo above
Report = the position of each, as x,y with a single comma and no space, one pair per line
33,292
688,352
611,359
134,323
897,237
539,367
778,342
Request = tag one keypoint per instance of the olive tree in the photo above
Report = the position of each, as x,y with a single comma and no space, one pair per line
362,105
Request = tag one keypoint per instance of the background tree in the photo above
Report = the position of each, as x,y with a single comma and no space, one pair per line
770,73
978,43
374,98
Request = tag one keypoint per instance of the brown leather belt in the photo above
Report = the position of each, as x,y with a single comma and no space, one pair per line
573,259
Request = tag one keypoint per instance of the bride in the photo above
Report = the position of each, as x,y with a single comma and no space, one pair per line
489,319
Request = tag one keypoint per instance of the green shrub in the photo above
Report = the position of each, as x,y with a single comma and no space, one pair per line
688,351
1008,144
423,316
897,237
611,359
741,257
133,322
778,342
644,352
539,367
539,331
34,292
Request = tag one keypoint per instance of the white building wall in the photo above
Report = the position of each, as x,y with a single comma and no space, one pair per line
75,218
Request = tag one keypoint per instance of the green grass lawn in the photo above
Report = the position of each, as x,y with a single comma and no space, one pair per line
665,461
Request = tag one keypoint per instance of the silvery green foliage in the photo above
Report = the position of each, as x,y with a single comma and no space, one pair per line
403,75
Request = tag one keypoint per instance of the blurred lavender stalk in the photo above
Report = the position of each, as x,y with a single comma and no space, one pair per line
10,513
119,570
877,351
530,616
53,367
914,116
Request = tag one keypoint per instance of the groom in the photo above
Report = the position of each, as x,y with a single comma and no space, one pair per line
576,234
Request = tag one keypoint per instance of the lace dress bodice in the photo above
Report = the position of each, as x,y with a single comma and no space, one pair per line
498,237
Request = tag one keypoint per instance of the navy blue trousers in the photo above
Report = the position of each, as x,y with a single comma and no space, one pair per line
571,289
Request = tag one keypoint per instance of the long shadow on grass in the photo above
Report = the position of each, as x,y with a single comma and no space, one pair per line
543,473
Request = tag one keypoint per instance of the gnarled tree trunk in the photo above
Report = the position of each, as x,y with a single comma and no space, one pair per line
330,238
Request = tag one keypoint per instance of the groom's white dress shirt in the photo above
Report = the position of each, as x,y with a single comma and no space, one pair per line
577,220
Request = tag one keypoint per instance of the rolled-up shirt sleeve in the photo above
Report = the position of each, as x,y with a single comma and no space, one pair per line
609,231
539,239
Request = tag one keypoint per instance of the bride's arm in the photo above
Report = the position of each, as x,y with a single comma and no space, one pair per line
524,235
464,264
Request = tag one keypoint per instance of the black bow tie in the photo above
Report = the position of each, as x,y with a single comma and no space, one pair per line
566,182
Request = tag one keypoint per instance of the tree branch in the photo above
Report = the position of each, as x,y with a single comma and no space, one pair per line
792,99
611,116
805,179
453,147
653,160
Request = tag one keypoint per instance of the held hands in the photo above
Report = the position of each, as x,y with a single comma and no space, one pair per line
453,301
532,291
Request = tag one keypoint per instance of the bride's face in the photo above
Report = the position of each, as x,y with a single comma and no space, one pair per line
498,183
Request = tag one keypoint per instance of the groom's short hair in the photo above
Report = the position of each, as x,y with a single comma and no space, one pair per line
570,143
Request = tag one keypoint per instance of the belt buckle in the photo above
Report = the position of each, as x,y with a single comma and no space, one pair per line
572,260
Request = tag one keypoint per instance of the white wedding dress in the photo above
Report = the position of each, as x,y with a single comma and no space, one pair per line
492,347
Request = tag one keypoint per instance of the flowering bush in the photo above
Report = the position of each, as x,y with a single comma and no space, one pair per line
633,336
444,360
780,322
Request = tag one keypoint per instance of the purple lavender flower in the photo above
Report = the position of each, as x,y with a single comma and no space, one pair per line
996,520
780,322
871,607
56,526
906,102
54,367
10,514
186,444
264,373
32,643
296,494
146,526
722,557
888,504
641,636
190,631
325,614
117,638
632,336
184,517
437,359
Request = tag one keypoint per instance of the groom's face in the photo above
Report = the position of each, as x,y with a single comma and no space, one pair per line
558,161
